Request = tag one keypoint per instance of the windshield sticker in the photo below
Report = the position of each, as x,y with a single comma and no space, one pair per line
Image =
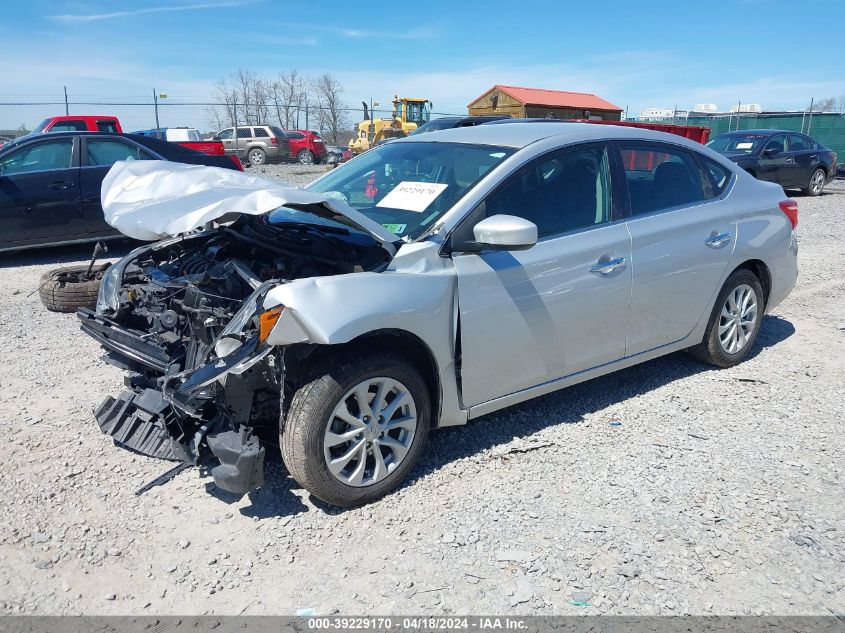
396,229
412,196
744,145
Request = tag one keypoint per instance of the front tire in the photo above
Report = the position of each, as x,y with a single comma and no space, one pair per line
305,157
356,429
816,184
734,322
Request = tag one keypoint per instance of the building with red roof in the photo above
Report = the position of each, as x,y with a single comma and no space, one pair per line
537,102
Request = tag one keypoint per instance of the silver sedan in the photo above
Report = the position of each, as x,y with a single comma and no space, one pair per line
481,267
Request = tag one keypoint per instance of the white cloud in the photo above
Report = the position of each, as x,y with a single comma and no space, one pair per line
94,17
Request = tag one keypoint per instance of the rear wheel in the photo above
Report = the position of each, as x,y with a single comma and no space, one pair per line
257,156
355,431
734,322
816,184
305,157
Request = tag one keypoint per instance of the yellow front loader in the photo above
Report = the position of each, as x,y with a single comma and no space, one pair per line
408,114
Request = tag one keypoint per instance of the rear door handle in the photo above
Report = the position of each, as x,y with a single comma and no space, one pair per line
62,185
605,268
717,240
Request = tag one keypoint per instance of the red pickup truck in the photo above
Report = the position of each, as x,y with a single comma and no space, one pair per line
79,123
110,124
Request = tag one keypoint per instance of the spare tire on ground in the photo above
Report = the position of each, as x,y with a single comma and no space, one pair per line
69,288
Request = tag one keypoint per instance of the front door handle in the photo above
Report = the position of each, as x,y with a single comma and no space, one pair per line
62,185
605,268
717,240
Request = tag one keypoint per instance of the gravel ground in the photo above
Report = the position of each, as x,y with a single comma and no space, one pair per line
718,491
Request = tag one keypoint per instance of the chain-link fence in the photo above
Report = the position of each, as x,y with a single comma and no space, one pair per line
18,116
828,128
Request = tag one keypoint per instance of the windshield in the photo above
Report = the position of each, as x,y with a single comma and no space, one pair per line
405,187
40,127
738,143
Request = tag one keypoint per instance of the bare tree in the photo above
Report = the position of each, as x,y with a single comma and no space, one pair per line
828,104
286,93
332,117
243,99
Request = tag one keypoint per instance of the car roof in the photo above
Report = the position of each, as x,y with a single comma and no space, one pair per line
762,131
521,134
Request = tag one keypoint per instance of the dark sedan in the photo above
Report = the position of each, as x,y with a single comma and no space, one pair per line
50,183
793,160
449,122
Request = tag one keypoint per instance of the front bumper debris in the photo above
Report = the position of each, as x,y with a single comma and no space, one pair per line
179,416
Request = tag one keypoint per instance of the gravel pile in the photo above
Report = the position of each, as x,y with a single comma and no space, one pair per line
296,175
666,488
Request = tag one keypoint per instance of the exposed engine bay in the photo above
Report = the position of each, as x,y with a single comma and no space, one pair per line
185,319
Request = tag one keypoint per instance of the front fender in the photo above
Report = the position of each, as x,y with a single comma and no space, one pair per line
337,309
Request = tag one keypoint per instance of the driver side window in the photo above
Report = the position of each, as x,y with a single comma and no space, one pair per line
776,145
44,156
562,192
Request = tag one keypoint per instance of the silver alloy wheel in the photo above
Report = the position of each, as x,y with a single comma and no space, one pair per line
256,157
817,181
370,431
737,319
306,157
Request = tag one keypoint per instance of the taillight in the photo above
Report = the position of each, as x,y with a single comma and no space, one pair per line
790,208
274,141
237,161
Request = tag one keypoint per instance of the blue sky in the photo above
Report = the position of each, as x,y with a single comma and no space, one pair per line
639,55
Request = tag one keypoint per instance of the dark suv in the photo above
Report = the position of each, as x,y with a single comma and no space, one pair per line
257,144
791,159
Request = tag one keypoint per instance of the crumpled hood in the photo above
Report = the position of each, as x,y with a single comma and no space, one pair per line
151,200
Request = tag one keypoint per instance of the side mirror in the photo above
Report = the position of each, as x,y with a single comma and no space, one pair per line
771,151
503,233
216,137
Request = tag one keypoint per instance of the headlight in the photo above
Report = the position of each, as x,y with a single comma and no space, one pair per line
229,339
108,297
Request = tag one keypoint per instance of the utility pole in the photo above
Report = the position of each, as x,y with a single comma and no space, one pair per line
66,108
810,118
155,101
306,113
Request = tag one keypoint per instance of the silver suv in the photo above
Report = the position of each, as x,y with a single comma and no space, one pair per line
257,144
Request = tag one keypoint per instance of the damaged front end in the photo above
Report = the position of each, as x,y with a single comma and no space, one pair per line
185,318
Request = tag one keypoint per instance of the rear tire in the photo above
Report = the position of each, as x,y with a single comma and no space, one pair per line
312,423
816,184
305,157
256,156
65,289
731,331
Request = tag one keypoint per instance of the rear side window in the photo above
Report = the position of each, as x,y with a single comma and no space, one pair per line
244,132
225,134
45,156
69,126
295,136
799,143
107,126
660,177
719,176
261,132
104,152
